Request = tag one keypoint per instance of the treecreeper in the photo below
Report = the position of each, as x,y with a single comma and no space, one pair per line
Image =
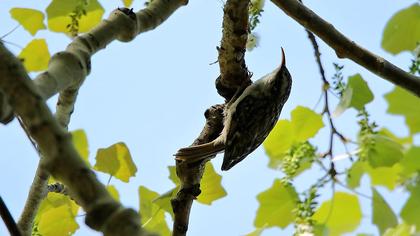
248,119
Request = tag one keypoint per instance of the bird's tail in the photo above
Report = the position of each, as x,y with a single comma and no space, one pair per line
199,152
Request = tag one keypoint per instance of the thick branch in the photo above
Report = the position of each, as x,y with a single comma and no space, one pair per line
346,48
37,192
80,51
69,68
234,75
190,174
60,158
233,71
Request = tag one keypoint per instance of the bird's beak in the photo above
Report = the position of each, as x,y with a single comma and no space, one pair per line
283,60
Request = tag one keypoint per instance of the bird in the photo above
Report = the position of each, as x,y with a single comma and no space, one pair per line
247,120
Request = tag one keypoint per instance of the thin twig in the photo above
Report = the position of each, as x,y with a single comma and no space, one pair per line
8,33
8,219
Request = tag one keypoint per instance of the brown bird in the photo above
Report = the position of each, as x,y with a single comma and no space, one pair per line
248,120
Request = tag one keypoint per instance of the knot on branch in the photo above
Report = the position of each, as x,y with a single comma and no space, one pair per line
126,19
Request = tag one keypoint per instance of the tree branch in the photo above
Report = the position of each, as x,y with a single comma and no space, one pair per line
190,174
233,71
234,75
37,193
60,158
60,76
8,219
346,48
123,25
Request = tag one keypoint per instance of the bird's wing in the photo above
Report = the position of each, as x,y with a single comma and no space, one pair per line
245,128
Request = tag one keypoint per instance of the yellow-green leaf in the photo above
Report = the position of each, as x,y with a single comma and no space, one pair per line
411,161
173,176
256,232
164,200
152,216
362,94
401,102
113,191
57,222
211,186
356,94
279,140
127,3
35,55
386,152
116,160
59,11
401,140
385,176
32,20
410,211
402,31
56,215
80,142
306,123
401,230
341,214
382,215
276,206
355,173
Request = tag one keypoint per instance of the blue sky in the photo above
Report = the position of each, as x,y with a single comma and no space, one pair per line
151,94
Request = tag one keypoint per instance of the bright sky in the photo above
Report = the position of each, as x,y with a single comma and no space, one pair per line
151,94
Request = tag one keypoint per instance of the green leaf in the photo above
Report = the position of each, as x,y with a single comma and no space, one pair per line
116,160
402,31
256,232
35,55
321,230
411,161
356,94
152,216
386,152
401,102
276,206
211,186
410,211
344,103
404,140
173,176
279,140
382,215
127,3
341,214
114,192
306,123
164,200
401,230
56,216
80,142
362,94
59,11
355,173
385,176
32,20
